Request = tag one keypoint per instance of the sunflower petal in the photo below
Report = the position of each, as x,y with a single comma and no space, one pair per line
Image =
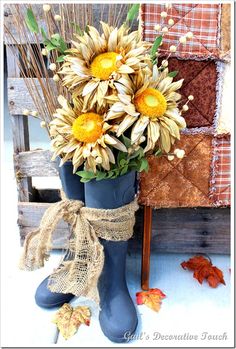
165,139
91,85
139,128
125,69
174,130
109,139
105,159
110,155
117,107
112,41
86,52
130,109
106,29
154,129
164,84
174,115
150,145
125,124
175,86
119,145
173,96
126,99
132,61
77,163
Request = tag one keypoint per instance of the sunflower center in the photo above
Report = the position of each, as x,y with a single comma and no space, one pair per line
87,127
151,102
104,65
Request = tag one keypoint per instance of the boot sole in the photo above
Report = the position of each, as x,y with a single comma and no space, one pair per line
120,339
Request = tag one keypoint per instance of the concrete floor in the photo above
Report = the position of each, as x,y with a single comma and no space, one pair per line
189,309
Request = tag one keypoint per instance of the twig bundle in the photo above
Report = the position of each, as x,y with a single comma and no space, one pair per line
27,46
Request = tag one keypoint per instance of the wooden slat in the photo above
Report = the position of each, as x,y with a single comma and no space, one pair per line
201,230
190,230
36,163
13,70
30,214
20,131
19,97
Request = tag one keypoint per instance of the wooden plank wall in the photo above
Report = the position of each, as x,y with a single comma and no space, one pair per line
199,230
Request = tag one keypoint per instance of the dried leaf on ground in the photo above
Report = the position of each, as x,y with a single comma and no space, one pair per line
203,269
68,319
151,298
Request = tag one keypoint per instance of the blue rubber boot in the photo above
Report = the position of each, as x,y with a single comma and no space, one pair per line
118,317
74,190
118,314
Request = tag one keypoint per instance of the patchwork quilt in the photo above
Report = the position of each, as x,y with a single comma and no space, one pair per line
202,178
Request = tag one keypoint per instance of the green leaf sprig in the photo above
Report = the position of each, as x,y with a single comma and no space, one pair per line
56,42
173,74
133,13
135,161
31,22
154,49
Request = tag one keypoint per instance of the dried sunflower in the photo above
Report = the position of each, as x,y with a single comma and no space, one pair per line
153,110
82,137
99,64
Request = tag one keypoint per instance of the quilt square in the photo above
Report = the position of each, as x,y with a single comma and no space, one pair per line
225,36
200,78
201,19
181,182
221,181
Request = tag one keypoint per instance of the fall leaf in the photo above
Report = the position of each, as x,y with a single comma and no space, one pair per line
203,269
68,319
151,298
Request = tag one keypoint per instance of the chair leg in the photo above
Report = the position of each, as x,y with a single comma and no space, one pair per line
147,233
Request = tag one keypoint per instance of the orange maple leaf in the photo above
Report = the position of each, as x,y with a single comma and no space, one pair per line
203,269
151,298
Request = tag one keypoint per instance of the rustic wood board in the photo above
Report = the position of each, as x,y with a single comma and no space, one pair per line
19,97
20,131
36,163
29,217
200,230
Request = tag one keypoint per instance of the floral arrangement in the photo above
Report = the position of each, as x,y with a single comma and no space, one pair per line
119,104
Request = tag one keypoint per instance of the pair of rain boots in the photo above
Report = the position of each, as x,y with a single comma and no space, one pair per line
118,314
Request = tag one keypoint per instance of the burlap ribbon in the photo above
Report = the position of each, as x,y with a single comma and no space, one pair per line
80,275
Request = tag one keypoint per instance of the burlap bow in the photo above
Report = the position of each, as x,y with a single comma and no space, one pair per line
80,275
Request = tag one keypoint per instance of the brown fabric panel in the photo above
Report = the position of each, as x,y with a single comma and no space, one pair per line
187,69
195,170
181,182
203,88
175,191
200,81
225,27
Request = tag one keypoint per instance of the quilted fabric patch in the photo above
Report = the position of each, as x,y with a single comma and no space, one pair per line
225,29
201,19
181,182
220,184
200,79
